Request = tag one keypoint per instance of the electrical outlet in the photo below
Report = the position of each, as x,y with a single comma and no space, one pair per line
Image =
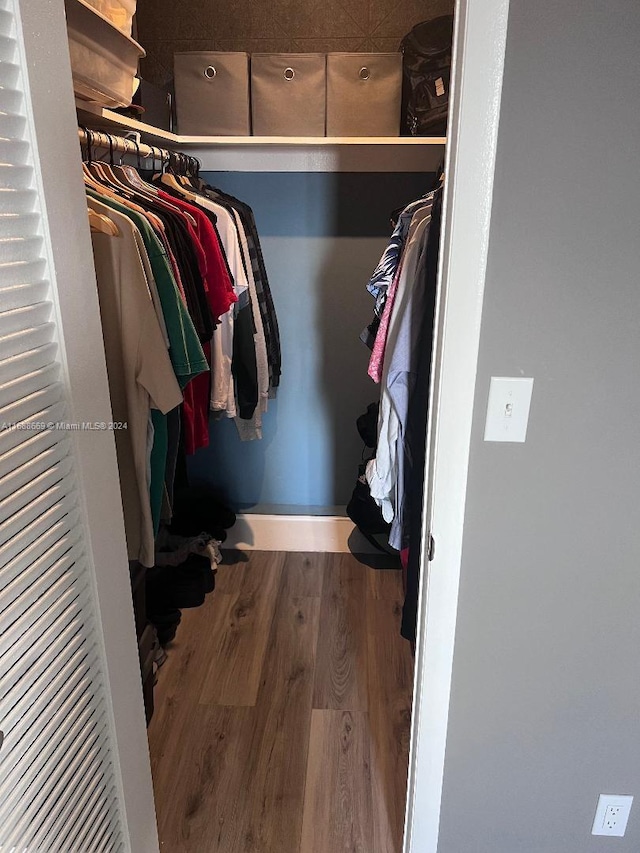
612,815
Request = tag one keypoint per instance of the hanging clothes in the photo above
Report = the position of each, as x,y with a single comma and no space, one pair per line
400,336
139,370
176,269
247,354
417,429
385,471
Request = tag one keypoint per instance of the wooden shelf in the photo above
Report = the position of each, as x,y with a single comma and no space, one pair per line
278,153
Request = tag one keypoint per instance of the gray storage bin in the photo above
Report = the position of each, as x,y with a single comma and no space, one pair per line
364,94
212,93
288,94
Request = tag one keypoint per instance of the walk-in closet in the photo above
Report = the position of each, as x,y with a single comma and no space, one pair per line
254,347
319,344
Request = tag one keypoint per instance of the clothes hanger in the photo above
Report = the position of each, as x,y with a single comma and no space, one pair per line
113,182
109,173
132,177
188,176
159,178
88,177
169,179
96,178
102,224
104,189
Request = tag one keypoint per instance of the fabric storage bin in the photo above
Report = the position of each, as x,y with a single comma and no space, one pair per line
288,94
364,94
212,93
119,12
104,61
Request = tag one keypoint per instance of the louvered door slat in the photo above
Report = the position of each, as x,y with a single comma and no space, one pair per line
23,410
58,609
67,648
41,792
75,711
14,151
72,839
84,778
99,833
63,633
29,384
87,834
31,502
58,791
52,580
79,747
11,176
11,100
49,507
12,437
19,445
26,292
27,317
89,789
6,23
56,521
85,785
63,627
26,339
13,224
53,457
28,362
107,842
30,564
18,249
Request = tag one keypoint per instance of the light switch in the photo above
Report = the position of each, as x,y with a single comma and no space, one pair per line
508,410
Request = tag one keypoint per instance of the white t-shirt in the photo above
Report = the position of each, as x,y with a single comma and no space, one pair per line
222,386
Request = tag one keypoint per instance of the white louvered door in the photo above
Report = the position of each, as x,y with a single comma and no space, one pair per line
58,786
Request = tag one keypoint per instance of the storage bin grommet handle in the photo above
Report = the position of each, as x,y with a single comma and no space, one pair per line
289,73
364,73
210,72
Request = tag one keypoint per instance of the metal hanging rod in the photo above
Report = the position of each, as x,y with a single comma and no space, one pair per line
109,142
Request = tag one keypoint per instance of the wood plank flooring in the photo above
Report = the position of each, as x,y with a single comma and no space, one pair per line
283,711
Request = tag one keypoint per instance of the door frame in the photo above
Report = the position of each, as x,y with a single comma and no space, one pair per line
480,37
477,78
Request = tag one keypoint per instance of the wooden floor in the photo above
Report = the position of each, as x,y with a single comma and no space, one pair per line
283,712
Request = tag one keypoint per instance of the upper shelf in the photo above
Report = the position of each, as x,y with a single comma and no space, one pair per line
282,154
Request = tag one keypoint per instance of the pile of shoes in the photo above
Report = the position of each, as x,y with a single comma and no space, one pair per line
187,555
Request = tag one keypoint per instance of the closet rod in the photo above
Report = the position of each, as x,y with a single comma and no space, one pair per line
108,142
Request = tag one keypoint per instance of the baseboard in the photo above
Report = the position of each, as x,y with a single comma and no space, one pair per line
325,534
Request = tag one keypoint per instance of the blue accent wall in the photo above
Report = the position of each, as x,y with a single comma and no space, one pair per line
322,235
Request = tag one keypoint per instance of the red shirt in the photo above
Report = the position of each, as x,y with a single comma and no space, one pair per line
218,284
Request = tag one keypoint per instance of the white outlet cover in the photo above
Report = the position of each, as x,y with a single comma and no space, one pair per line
612,815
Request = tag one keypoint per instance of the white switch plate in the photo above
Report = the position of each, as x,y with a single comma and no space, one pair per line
508,410
612,815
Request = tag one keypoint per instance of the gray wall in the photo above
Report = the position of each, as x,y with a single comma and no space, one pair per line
322,236
545,709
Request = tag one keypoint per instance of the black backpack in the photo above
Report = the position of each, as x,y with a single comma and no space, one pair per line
426,77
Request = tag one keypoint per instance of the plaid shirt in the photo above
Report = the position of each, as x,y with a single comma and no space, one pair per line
258,268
